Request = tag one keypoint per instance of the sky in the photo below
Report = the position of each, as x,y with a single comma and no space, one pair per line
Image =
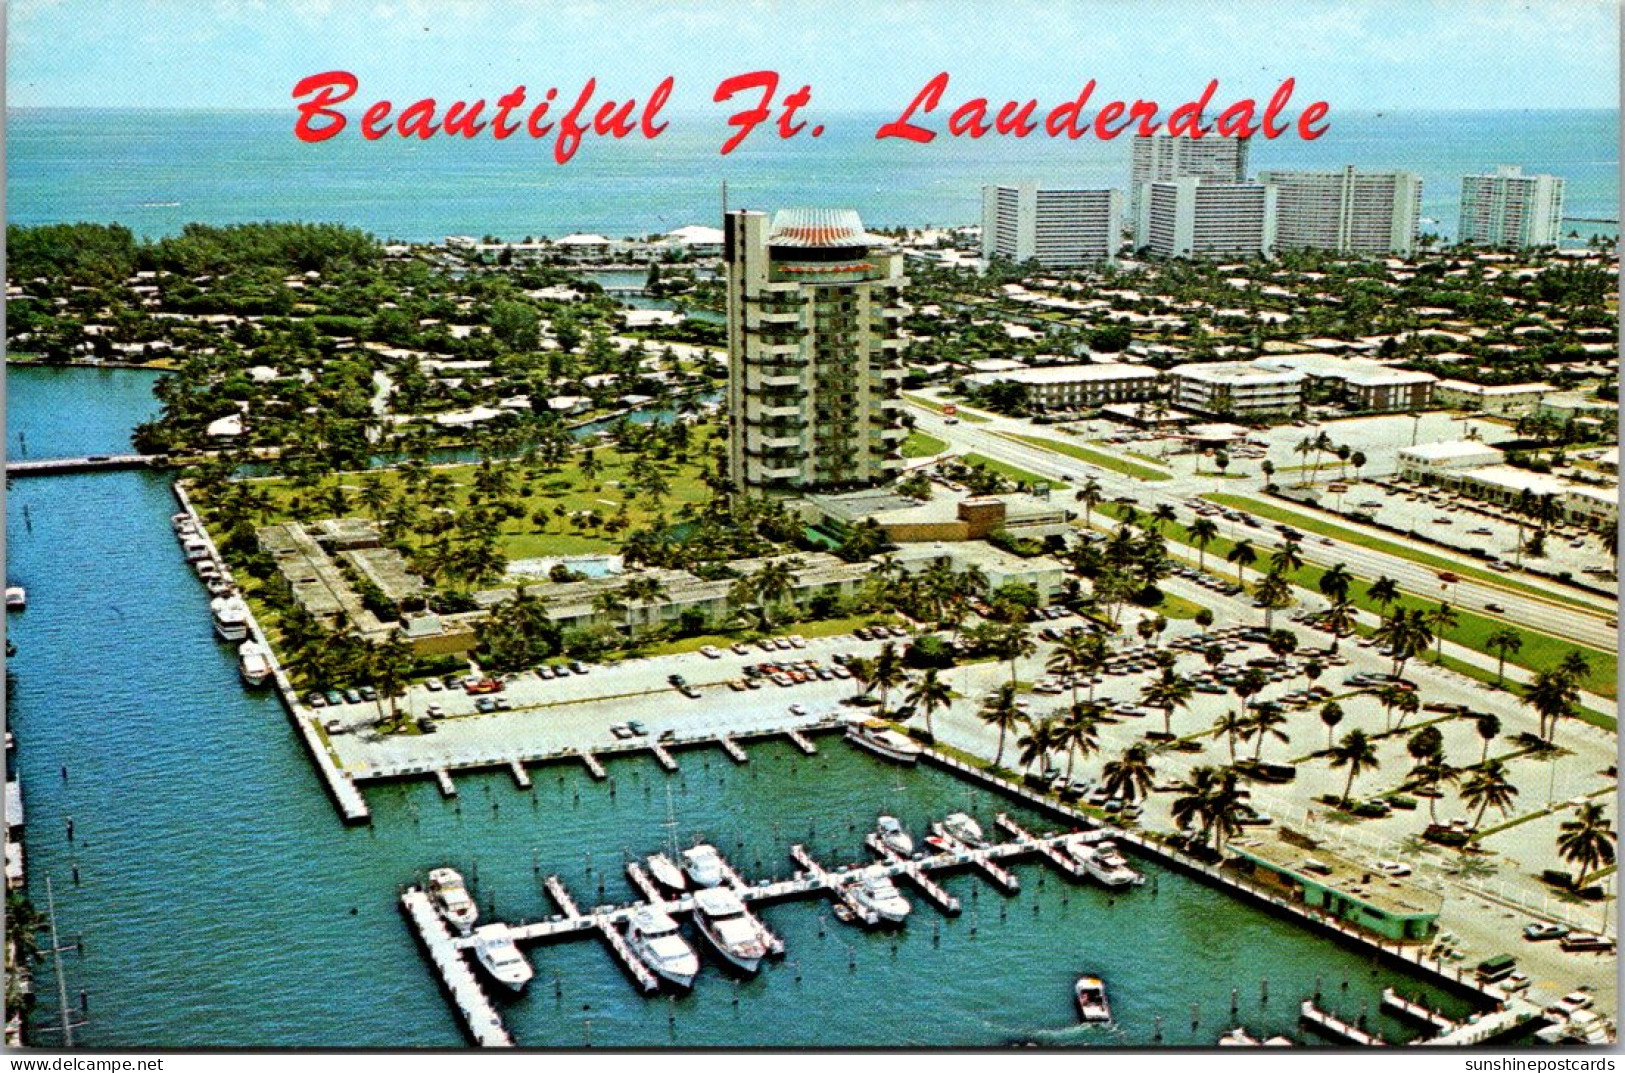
1355,54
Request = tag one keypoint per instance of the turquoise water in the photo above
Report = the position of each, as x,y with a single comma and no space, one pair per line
54,413
222,903
156,171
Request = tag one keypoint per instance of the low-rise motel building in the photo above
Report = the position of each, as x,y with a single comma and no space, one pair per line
1313,876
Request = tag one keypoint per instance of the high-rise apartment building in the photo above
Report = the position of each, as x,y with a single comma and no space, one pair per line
1056,228
1347,211
1161,157
814,340
1191,217
1510,208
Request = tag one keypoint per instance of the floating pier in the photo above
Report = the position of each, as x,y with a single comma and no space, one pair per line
481,1019
640,879
802,742
944,901
667,761
447,787
634,966
594,768
1393,1000
839,887
1336,1028
1050,850
731,747
561,897
521,777
982,860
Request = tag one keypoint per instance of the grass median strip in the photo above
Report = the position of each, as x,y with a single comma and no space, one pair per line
1319,526
921,445
1095,458
1539,650
1015,473
932,404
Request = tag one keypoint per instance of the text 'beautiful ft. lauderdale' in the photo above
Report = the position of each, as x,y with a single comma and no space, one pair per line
787,116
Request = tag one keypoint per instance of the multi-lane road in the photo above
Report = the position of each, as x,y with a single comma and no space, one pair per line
1574,615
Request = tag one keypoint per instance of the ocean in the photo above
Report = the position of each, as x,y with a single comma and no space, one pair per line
157,171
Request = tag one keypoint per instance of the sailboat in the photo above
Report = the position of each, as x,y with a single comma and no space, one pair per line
663,866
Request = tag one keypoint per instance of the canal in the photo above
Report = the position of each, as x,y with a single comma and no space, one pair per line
222,903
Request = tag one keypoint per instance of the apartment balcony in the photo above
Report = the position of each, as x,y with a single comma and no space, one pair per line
777,380
768,413
776,320
776,473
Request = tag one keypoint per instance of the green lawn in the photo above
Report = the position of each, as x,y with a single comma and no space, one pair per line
1015,473
1314,524
931,404
1539,650
1177,606
565,489
920,445
1093,457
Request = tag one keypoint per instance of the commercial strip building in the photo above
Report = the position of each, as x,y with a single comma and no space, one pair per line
1238,388
1346,210
814,338
1491,399
1193,217
1314,876
1161,157
1509,208
1478,470
943,517
1078,387
1056,228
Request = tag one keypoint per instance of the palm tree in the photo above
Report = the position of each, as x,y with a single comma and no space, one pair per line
1384,592
1503,642
1553,695
1273,594
1202,532
1287,559
1014,644
1243,555
1267,720
1131,775
775,582
1334,583
1079,733
1331,713
1406,704
1232,724
1073,658
1356,753
1339,619
1034,747
1488,725
863,673
1586,841
1190,809
1488,786
1441,620
887,672
1091,496
1169,691
999,710
929,694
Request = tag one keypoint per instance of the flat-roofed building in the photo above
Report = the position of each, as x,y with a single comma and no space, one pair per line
1428,460
1346,210
1314,875
1169,156
1359,384
1057,228
1236,387
1193,217
1509,208
1078,387
1509,486
1491,398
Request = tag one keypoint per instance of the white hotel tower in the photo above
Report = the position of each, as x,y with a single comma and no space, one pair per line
814,343
1056,228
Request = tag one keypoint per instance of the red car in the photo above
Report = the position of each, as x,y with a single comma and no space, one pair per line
484,685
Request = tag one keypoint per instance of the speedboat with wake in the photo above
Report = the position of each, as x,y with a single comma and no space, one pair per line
654,938
1093,1009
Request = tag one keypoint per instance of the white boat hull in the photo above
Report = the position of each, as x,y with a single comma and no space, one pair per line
743,963
882,749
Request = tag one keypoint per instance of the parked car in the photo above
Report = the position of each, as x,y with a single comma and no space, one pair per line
1540,931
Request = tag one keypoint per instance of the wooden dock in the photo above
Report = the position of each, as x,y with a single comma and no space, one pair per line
594,768
839,887
982,859
667,761
1337,1029
634,966
561,897
944,901
731,747
1404,1007
641,880
1049,849
480,1018
802,742
447,787
521,777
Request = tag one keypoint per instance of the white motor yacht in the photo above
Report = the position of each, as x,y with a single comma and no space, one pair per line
703,864
1090,991
16,598
965,829
877,738
230,617
253,664
451,899
500,956
666,872
728,926
893,834
1104,863
655,939
881,896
